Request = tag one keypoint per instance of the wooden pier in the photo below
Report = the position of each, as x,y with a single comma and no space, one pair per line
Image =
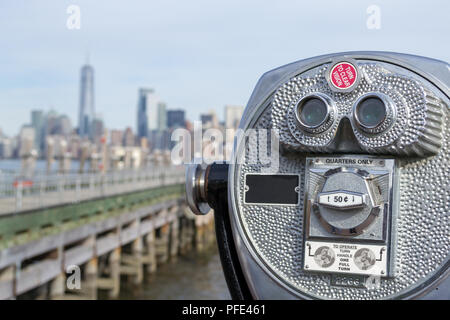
89,248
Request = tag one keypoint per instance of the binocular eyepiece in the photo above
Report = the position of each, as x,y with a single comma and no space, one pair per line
338,186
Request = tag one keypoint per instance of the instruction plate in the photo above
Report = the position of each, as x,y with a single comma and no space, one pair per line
352,258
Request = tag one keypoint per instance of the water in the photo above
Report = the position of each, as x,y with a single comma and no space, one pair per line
196,276
14,165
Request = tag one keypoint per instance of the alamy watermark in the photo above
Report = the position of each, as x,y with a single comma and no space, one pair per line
73,21
373,21
259,146
73,280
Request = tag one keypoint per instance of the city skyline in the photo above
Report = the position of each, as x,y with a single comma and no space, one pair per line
49,133
157,118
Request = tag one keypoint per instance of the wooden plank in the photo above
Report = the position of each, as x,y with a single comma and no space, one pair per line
37,274
78,255
145,227
18,253
129,234
107,244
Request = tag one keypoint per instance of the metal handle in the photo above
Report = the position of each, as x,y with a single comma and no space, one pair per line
196,188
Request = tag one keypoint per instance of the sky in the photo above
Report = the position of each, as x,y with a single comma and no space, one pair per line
197,55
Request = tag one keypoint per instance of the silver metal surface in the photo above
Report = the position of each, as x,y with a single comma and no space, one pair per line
413,126
195,188
269,239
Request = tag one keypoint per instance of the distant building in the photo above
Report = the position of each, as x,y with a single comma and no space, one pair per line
116,138
161,118
97,129
26,140
151,115
146,97
233,115
86,107
6,148
38,123
55,124
64,125
128,138
51,123
209,120
176,119
206,119
159,140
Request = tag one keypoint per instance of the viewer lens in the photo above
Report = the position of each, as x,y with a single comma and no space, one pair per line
371,112
313,112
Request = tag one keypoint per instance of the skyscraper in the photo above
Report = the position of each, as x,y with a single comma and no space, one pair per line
145,96
151,115
86,114
161,117
38,123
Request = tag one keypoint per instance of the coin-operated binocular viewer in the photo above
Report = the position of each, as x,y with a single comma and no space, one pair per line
355,200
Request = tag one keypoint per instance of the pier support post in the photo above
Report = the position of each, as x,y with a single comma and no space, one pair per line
187,233
174,238
6,282
58,287
136,248
149,257
131,264
162,242
112,281
89,285
199,234
114,264
182,236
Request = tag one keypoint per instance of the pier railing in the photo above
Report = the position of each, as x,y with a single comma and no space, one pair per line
19,194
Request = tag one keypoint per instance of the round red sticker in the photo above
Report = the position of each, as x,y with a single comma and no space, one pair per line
343,75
